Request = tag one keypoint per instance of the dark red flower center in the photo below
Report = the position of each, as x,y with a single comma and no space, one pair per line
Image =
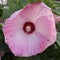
29,27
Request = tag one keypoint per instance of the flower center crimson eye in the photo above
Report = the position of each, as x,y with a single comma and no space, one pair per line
29,27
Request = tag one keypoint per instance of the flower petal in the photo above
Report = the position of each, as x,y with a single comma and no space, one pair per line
57,18
33,44
18,43
46,26
12,24
33,11
37,43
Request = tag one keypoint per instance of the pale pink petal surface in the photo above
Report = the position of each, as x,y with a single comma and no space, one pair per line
46,28
13,24
18,43
31,30
33,11
57,18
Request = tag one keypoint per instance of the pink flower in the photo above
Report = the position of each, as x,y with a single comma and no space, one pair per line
30,30
57,18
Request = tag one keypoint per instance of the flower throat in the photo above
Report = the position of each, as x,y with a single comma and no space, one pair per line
29,27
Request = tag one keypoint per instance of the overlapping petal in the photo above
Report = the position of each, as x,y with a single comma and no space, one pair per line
46,26
13,24
33,11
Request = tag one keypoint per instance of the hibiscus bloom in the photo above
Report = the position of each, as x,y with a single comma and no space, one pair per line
30,30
